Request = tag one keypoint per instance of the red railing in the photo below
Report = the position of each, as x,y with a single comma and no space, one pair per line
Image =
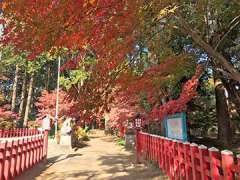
182,161
20,153
18,133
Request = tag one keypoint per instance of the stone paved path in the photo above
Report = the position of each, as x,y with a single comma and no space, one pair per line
101,159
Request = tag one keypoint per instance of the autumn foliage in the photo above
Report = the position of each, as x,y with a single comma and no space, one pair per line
122,109
37,27
189,91
5,113
106,29
7,118
46,104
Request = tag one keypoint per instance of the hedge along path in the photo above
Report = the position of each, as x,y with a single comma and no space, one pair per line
101,159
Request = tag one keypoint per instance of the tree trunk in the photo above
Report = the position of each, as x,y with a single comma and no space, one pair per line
30,89
48,78
23,94
14,92
223,118
229,69
233,95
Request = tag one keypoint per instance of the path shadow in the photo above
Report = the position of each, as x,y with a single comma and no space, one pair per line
121,167
87,175
37,169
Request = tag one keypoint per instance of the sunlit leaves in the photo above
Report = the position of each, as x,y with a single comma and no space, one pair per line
46,104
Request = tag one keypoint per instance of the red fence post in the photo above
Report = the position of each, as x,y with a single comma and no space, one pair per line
171,158
150,148
147,147
137,141
28,156
24,155
202,153
176,159
166,155
38,147
227,164
45,145
19,157
41,147
153,148
35,149
31,151
238,166
181,169
7,163
213,155
194,151
157,149
187,160
160,141
3,146
14,158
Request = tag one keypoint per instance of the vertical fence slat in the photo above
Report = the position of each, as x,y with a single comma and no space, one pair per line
202,153
213,154
3,146
187,160
7,163
227,164
193,151
23,158
238,167
19,156
14,158
180,173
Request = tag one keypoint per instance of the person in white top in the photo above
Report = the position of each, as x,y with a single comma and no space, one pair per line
46,122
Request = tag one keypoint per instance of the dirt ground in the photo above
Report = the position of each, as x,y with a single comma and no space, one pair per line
100,159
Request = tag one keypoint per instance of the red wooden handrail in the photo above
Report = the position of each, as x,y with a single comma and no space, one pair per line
182,161
22,150
18,132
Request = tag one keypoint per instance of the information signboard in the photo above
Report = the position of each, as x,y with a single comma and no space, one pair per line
175,126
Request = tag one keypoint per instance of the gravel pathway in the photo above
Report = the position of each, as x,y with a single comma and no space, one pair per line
100,159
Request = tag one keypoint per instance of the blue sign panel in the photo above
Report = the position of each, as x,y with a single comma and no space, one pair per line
176,127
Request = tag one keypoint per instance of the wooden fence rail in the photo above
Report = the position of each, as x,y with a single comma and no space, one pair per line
20,153
182,161
18,132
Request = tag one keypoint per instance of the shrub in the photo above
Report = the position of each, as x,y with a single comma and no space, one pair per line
33,124
121,142
8,119
7,123
80,134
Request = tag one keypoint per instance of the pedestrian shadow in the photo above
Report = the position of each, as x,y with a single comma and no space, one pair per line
78,146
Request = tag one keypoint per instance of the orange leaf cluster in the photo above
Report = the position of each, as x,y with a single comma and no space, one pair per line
189,91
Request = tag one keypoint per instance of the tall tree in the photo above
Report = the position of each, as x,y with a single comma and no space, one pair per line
14,91
224,130
28,103
23,94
